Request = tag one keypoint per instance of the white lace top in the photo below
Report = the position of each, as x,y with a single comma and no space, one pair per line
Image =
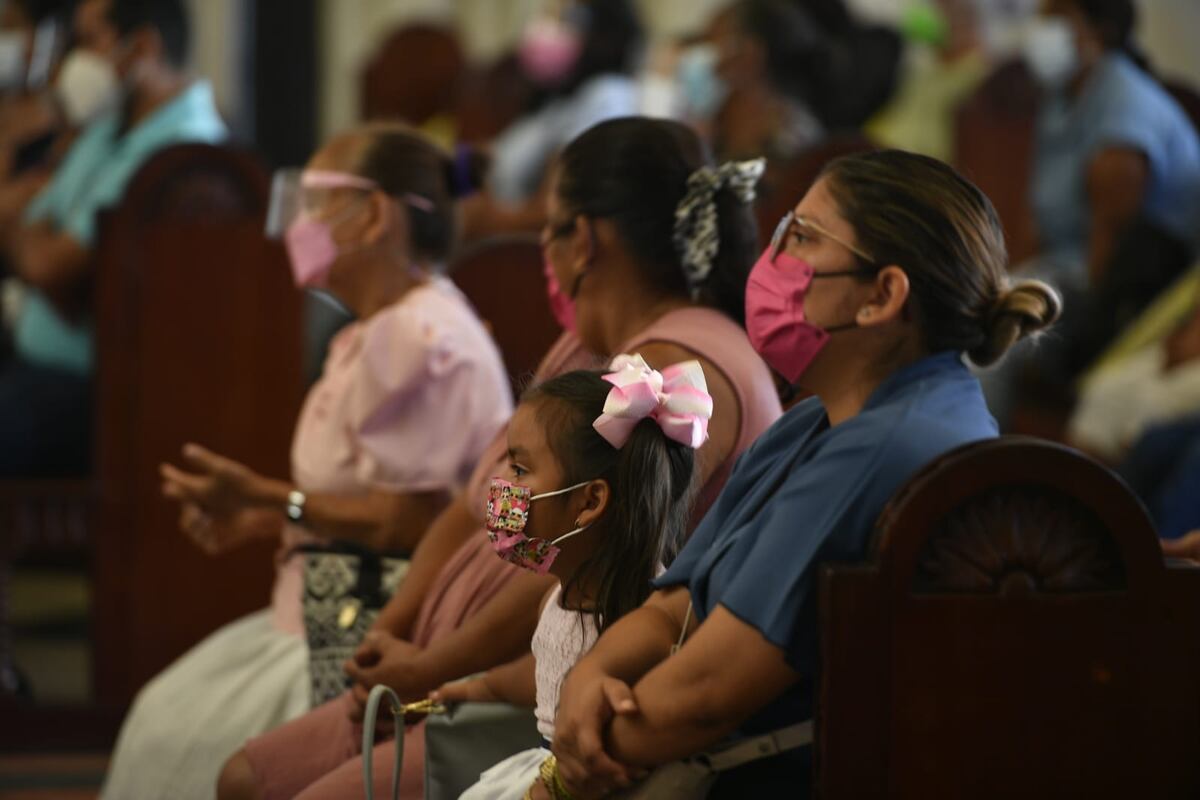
561,639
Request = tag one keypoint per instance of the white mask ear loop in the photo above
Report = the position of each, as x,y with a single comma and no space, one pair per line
566,536
560,491
555,494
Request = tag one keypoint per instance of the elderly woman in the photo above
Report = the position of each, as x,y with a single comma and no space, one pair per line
889,270
412,392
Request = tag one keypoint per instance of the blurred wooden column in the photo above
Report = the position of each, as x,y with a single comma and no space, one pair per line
286,68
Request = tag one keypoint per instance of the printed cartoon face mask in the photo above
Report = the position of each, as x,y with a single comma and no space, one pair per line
507,514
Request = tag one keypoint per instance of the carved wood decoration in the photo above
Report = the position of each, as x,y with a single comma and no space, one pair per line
1013,632
1020,540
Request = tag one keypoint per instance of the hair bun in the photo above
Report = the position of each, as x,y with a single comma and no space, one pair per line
1024,310
467,170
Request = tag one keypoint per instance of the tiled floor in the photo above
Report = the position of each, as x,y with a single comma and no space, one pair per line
51,777
50,619
49,613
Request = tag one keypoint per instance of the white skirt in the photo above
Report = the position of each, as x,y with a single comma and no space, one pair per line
510,779
240,682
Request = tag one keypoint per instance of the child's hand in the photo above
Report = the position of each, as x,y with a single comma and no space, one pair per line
539,791
469,691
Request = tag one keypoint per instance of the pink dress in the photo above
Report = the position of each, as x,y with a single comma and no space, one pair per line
408,401
316,756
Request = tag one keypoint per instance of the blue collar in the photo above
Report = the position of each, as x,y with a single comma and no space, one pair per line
945,363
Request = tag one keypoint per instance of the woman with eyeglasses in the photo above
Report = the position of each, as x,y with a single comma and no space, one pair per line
887,274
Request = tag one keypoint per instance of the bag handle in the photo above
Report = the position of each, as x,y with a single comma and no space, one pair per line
399,710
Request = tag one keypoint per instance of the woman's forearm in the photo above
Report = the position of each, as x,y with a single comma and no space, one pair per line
640,640
663,731
377,519
452,528
498,633
726,672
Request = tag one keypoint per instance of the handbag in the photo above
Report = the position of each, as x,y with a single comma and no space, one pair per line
460,742
691,778
345,586
471,738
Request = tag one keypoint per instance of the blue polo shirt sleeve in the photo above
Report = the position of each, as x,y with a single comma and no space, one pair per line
823,512
707,533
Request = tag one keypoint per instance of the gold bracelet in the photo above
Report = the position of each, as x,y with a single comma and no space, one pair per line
559,788
549,777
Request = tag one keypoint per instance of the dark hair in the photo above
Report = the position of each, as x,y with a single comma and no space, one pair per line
611,39
650,489
1114,20
38,11
796,47
820,56
921,215
402,161
832,15
634,172
168,17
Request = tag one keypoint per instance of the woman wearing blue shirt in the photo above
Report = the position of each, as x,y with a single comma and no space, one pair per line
889,270
1111,142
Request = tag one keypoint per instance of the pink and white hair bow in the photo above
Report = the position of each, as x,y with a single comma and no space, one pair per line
676,398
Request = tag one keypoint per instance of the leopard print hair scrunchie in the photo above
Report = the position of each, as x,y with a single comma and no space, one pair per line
697,239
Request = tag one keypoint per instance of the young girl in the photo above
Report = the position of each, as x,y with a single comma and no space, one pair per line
599,483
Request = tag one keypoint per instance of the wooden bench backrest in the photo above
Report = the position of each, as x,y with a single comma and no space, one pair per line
503,279
1016,633
198,332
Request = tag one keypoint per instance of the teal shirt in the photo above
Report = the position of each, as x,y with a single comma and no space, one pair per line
90,179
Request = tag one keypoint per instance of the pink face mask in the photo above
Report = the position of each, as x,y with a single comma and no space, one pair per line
549,51
311,247
311,251
507,514
561,304
775,312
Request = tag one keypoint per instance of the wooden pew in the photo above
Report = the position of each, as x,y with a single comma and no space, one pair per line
994,148
502,277
1015,633
198,332
414,76
198,338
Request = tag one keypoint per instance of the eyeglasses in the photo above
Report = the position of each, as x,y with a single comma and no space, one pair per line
553,232
796,225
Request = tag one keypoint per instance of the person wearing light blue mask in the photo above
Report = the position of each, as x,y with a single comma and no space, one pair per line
1111,142
754,79
701,88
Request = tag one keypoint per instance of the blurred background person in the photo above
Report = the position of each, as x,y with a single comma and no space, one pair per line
45,387
579,54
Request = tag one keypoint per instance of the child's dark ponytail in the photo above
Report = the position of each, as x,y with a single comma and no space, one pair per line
650,480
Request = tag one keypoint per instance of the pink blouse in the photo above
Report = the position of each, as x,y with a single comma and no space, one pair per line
408,401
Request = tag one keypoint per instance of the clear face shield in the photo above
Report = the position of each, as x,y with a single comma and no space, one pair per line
298,193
